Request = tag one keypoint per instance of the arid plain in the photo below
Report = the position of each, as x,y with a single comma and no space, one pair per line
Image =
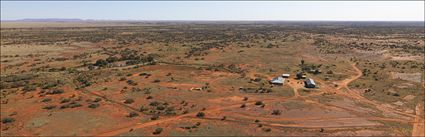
212,78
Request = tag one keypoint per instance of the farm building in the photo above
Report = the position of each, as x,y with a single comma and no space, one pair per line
301,76
286,75
309,83
277,81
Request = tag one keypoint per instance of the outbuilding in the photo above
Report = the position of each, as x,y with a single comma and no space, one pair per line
277,81
286,75
309,83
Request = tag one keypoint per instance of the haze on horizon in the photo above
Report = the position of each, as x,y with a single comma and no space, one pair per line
216,10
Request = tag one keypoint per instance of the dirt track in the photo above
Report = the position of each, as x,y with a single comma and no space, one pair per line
141,125
352,94
418,126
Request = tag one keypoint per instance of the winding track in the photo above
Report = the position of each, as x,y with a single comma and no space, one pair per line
354,95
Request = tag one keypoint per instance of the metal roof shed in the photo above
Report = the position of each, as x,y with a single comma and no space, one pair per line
309,83
277,81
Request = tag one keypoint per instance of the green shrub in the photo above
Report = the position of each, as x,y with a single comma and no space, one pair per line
155,117
276,112
71,105
97,99
55,91
157,131
200,114
267,129
29,88
259,103
132,114
160,107
154,103
65,100
128,101
143,108
46,100
49,107
94,105
131,82
7,120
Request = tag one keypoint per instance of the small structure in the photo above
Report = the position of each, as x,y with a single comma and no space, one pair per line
277,81
309,83
286,75
199,89
315,71
300,75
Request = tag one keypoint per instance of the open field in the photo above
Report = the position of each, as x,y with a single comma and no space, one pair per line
212,78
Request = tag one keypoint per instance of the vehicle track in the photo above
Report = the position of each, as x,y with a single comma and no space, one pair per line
287,125
418,126
151,123
352,94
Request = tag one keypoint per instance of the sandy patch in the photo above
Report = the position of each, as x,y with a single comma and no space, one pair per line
414,77
409,97
407,58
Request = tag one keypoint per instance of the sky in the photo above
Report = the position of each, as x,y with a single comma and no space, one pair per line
217,10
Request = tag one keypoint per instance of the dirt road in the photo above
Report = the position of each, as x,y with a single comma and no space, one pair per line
418,126
151,123
353,94
345,82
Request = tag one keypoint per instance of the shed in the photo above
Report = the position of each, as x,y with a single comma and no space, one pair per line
309,83
286,75
277,81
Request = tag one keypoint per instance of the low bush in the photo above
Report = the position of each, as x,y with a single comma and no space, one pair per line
49,107
46,100
132,114
94,105
7,120
200,114
55,91
258,103
155,117
65,100
276,112
128,101
157,131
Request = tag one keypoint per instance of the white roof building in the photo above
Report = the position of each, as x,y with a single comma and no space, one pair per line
286,75
278,80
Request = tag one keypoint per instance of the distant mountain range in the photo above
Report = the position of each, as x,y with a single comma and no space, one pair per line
46,20
300,22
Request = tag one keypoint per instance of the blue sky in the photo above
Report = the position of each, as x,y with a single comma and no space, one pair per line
216,10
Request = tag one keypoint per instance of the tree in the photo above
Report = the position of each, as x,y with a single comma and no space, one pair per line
101,63
200,114
299,75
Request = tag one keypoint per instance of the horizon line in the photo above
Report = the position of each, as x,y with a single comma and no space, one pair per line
187,20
